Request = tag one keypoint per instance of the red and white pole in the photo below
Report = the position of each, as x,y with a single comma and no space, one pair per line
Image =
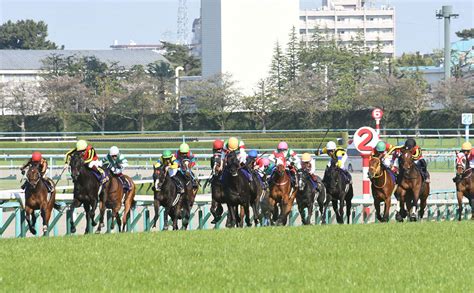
365,176
365,139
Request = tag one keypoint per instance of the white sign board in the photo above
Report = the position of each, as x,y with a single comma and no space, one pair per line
365,139
377,114
466,118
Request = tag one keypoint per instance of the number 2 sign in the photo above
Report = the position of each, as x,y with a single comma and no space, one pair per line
365,139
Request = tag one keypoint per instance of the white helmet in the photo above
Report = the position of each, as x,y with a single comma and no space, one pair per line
331,146
114,151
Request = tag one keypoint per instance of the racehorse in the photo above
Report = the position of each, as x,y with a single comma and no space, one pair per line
166,195
281,192
86,191
339,190
383,185
464,184
217,191
411,188
36,198
186,176
238,190
112,198
306,195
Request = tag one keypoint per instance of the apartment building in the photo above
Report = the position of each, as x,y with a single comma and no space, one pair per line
347,19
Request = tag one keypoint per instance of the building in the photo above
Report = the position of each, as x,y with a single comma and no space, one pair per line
345,20
238,37
24,67
196,43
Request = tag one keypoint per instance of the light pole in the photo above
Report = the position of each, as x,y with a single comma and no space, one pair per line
447,12
178,96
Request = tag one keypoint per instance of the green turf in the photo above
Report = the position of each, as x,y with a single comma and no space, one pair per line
376,258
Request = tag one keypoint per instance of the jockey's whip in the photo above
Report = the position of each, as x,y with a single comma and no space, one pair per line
321,142
59,178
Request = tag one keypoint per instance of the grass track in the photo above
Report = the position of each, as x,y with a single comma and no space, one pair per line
388,257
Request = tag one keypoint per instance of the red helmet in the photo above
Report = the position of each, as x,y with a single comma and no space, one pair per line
218,144
36,157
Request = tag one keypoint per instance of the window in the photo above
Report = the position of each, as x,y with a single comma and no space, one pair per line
303,18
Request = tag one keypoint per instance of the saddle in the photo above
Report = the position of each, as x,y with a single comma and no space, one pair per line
98,176
125,183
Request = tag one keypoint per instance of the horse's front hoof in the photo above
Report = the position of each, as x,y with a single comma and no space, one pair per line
33,231
93,223
45,228
97,231
101,225
413,218
73,229
399,217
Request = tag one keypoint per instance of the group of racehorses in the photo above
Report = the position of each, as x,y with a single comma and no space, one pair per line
230,185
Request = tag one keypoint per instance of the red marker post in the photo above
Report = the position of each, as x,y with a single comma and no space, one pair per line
365,139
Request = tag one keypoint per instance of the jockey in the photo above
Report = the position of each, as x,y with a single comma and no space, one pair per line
217,151
116,162
171,165
292,160
37,161
410,144
309,165
251,161
337,155
236,145
381,151
90,158
468,151
264,169
183,153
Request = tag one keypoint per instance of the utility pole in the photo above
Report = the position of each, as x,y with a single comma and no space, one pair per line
447,12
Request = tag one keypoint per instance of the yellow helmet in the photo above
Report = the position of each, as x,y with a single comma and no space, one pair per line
233,144
467,146
81,145
306,157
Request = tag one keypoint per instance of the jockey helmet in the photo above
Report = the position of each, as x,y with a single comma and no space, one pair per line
380,147
467,146
184,148
253,153
233,144
114,151
167,154
306,157
81,145
410,143
218,144
265,161
282,146
331,145
36,157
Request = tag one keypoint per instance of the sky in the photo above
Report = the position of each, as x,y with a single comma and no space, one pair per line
96,24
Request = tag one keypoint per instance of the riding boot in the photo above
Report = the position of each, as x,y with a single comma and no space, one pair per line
326,176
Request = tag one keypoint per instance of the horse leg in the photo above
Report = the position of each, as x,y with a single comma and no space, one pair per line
377,208
414,208
117,217
256,212
126,214
348,210
30,213
471,202
302,213
101,216
214,208
336,211
285,209
92,212
401,212
75,204
87,210
459,195
242,216
386,212
156,207
230,216
45,215
247,215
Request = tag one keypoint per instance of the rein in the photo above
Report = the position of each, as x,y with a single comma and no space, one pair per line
384,181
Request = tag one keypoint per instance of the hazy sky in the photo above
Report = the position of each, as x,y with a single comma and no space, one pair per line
95,24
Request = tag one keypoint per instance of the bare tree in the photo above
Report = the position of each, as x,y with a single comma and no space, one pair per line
262,103
216,97
454,93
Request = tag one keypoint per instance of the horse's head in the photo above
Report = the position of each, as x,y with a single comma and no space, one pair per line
301,181
407,161
280,163
217,165
33,176
232,163
159,177
76,164
460,164
334,178
375,167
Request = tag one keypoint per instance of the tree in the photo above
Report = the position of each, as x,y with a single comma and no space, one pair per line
65,95
216,97
276,79
416,59
466,34
261,104
292,58
24,101
25,34
180,55
412,92
454,94
163,74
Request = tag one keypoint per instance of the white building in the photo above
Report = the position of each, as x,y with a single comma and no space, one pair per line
346,19
238,37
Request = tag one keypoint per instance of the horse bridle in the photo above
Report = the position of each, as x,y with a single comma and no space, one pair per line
159,183
36,181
